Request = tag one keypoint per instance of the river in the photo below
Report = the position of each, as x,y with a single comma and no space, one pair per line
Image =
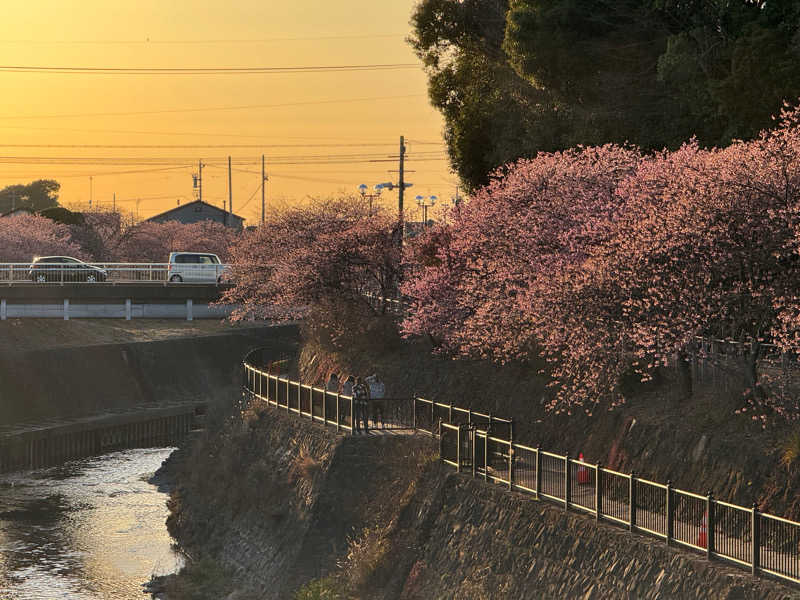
89,529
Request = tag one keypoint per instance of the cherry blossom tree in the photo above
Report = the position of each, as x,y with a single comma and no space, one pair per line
313,257
605,261
24,236
481,295
109,236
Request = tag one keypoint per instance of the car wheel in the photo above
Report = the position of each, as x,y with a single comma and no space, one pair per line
91,278
40,278
176,279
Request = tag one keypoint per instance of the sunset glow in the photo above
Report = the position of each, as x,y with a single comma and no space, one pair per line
318,130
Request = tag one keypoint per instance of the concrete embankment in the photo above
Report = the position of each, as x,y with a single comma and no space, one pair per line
280,502
52,442
43,382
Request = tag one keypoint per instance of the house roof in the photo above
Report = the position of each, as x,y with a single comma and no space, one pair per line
183,206
17,211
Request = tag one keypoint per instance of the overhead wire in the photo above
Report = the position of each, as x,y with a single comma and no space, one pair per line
220,134
204,70
210,109
149,41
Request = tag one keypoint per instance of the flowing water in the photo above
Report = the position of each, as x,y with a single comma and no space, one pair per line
90,529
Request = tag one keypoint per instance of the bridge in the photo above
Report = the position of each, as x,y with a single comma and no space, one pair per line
122,290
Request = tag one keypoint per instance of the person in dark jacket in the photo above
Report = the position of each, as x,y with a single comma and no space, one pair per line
360,404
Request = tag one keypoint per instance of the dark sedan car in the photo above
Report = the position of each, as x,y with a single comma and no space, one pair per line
64,269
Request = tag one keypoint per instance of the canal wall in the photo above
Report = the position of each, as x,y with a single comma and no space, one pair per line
80,380
52,442
281,503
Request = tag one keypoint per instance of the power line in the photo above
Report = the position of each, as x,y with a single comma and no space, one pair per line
209,109
253,195
184,146
204,70
149,41
220,134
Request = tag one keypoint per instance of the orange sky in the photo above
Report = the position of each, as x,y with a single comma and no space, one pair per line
322,114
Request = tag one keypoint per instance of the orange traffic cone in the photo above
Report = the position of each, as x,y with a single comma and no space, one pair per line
702,538
583,472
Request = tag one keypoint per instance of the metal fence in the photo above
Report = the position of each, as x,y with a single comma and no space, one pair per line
484,446
79,272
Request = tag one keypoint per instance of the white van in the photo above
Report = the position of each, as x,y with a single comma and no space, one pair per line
194,267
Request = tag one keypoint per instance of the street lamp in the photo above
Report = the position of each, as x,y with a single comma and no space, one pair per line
425,202
362,189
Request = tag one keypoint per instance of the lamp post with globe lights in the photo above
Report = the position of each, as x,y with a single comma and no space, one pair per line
425,202
362,189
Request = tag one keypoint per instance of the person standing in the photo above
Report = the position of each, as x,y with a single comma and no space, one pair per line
361,401
347,390
377,393
333,383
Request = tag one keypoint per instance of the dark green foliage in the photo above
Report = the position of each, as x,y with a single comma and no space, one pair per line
59,214
34,196
515,77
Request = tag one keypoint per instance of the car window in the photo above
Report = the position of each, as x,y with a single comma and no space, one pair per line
186,259
70,260
206,260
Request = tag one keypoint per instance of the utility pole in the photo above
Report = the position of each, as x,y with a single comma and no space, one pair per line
114,202
90,191
200,180
229,216
402,186
263,184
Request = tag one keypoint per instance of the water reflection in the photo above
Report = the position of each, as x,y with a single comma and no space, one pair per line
90,529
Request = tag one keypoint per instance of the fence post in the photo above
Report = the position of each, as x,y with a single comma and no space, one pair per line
710,512
469,416
473,438
458,448
486,456
632,501
325,407
755,528
511,460
352,417
567,483
337,412
414,413
433,414
450,413
598,492
441,443
538,472
670,509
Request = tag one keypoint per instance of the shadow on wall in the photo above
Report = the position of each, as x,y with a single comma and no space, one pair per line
77,381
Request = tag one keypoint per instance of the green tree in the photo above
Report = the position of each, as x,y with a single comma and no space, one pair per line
492,115
37,195
515,77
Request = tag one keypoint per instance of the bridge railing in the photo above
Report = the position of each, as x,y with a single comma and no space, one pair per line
62,273
483,445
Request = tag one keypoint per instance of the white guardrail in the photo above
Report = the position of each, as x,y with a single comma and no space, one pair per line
91,273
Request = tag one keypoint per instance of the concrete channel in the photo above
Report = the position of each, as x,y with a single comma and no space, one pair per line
49,443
